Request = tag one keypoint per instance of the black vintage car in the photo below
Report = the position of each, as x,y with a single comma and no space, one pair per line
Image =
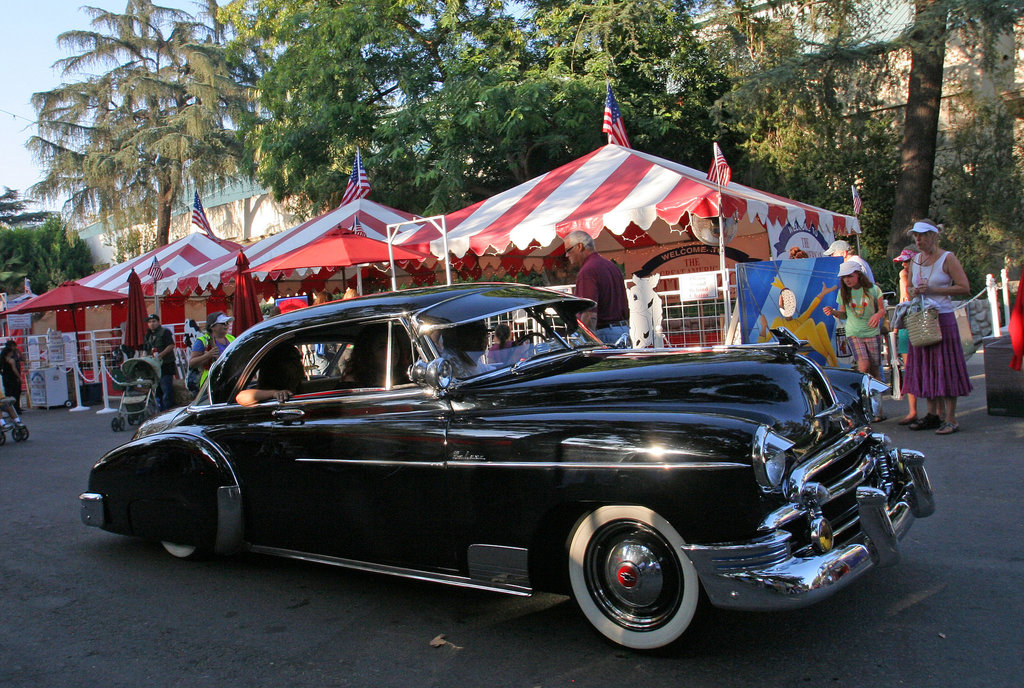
415,445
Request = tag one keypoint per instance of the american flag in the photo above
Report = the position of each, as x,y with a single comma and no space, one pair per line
857,205
154,271
357,227
719,173
199,218
613,125
358,184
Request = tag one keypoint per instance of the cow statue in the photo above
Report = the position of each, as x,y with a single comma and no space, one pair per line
645,312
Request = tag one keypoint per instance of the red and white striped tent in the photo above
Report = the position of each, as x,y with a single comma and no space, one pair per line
373,221
175,258
640,199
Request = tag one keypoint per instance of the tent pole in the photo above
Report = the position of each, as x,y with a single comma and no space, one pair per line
725,273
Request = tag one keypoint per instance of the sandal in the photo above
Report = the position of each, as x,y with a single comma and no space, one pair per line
878,419
948,429
929,422
909,420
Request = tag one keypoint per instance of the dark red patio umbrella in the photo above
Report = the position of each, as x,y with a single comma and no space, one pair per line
135,325
70,295
247,301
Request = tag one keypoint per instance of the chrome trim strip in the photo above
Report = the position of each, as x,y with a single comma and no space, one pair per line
703,465
374,462
445,578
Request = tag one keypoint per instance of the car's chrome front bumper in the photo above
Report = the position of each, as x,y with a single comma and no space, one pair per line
764,574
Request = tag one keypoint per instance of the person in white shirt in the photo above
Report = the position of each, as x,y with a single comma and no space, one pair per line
842,248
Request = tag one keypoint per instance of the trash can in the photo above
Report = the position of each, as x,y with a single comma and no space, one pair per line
1004,387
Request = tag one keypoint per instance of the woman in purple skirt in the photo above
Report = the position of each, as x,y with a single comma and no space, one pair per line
937,373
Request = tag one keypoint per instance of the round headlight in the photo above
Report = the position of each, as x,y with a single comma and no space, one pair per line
770,458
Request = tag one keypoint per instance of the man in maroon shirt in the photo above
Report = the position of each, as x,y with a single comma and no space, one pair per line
599,280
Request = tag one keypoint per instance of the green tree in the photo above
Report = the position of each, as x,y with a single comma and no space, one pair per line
128,143
14,211
47,255
974,22
451,103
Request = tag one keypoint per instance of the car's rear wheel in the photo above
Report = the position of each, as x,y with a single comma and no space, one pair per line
630,577
181,551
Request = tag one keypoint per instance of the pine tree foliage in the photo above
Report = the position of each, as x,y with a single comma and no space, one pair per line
150,116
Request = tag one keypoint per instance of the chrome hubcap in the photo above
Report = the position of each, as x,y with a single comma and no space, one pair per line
633,575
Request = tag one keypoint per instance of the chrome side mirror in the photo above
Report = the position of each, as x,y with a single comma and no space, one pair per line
437,374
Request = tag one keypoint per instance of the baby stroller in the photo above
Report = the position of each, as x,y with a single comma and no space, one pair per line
137,378
19,433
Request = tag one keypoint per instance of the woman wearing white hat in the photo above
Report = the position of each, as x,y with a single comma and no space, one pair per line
862,307
938,372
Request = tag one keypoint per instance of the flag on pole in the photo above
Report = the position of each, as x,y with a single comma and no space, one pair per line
155,271
357,227
199,218
613,125
719,173
857,204
358,184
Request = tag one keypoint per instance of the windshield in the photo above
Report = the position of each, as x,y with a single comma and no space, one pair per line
500,342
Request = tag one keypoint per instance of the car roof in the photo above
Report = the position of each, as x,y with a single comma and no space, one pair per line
435,306
428,308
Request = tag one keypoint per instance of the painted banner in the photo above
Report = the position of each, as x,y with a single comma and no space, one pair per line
790,294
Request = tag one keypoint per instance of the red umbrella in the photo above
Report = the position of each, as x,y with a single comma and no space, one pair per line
336,249
135,325
70,295
247,302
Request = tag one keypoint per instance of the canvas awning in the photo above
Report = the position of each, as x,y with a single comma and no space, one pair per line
373,219
175,258
621,190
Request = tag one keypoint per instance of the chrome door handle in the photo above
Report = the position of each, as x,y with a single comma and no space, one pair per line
289,416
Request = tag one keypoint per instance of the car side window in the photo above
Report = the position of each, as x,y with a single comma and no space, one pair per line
339,359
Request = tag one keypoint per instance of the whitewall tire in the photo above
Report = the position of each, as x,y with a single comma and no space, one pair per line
631,578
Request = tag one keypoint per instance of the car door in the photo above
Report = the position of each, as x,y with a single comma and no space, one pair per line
357,474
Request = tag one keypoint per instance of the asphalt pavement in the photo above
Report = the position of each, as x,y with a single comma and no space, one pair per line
81,607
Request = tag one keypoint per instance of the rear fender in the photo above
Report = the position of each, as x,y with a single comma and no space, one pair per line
174,487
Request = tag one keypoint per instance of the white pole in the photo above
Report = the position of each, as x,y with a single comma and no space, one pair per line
1004,275
990,287
725,273
391,259
78,389
103,382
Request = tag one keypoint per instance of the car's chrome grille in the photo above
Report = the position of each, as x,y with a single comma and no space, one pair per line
856,459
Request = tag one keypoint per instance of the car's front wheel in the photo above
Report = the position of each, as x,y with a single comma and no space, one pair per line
631,578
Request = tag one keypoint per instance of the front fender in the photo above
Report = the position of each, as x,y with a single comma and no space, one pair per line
177,487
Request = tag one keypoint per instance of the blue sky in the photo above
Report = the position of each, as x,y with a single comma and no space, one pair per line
28,48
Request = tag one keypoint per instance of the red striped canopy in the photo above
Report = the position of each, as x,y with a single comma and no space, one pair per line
373,220
175,258
618,189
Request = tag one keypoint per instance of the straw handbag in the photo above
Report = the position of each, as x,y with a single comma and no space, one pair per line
923,326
